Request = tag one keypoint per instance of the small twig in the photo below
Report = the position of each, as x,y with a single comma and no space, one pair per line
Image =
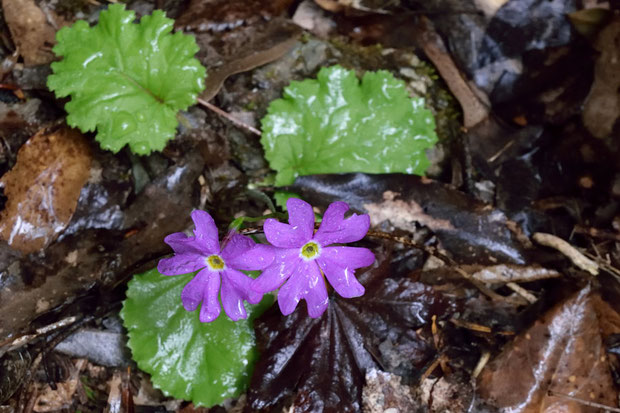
229,117
484,359
437,341
250,231
582,401
501,151
49,348
478,327
15,343
531,298
597,233
430,368
568,250
613,271
447,260
483,288
406,241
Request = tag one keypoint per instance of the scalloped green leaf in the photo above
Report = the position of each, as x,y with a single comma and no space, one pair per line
335,124
202,362
126,80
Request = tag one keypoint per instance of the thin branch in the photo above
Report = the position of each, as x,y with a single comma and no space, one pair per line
228,116
584,402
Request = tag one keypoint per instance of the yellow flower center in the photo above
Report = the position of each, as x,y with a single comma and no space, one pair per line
310,251
215,263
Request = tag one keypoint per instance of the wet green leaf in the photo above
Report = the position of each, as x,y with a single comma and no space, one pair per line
126,80
282,196
335,124
202,362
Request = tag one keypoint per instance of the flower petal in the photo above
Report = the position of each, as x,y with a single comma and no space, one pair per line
339,264
232,301
301,215
182,244
241,283
348,257
284,235
193,292
297,232
210,309
284,264
256,258
306,283
342,279
335,229
235,244
206,231
181,264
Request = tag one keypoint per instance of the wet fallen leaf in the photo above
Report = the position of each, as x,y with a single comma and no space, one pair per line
322,362
563,352
43,188
523,54
104,257
470,230
18,122
30,30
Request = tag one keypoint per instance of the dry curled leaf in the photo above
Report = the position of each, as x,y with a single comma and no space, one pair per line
43,188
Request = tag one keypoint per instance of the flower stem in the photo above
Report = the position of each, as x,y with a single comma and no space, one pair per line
238,222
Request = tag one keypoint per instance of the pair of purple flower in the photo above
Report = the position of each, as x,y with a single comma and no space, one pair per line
297,257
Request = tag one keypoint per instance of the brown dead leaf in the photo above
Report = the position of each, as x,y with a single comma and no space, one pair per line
563,353
602,107
265,48
43,188
30,30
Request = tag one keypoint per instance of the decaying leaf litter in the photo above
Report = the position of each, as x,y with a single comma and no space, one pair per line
467,309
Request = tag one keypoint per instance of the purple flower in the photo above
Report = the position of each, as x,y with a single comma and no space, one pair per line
303,257
218,268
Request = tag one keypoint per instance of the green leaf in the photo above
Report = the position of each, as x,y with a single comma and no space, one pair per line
336,124
202,362
126,80
282,196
